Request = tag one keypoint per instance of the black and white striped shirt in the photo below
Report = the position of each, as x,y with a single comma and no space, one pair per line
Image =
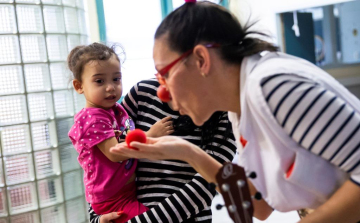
172,189
317,119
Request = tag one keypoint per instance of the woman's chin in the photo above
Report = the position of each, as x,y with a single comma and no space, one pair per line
197,121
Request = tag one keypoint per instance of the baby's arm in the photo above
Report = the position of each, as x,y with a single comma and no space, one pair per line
162,127
105,146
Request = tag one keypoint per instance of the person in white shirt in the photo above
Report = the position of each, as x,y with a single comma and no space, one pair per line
294,124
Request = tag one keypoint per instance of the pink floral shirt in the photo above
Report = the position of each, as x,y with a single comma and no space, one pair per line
102,177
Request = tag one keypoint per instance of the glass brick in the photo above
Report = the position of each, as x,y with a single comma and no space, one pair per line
56,45
72,185
54,214
7,19
29,18
2,182
43,135
82,22
32,217
50,192
80,3
10,51
11,80
53,2
18,169
84,40
3,208
54,19
46,163
15,139
22,198
69,2
37,77
73,41
68,158
71,20
33,48
13,110
62,127
64,105
60,76
40,106
75,211
79,101
28,1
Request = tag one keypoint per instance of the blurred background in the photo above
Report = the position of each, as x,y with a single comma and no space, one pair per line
40,179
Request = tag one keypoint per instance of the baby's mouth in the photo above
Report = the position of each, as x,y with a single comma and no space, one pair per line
111,97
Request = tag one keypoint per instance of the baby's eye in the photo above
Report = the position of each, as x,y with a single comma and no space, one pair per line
117,79
99,81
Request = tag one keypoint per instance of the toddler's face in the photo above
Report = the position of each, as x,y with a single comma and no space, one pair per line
101,83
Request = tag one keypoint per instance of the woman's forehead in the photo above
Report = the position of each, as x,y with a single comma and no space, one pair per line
162,54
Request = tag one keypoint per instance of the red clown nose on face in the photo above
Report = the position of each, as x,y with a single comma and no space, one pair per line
163,94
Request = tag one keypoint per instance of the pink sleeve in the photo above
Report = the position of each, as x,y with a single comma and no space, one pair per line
96,132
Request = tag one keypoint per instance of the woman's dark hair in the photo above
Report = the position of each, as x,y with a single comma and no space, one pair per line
81,55
184,124
206,22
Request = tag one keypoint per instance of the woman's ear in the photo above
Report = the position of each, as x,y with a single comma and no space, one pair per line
78,86
202,56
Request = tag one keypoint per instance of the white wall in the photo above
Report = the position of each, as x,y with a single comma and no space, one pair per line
265,11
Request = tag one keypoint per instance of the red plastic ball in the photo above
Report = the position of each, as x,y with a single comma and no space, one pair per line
136,135
163,94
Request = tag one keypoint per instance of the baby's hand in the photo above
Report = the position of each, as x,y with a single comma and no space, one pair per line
161,128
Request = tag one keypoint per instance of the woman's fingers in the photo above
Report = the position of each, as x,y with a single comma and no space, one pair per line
151,140
106,218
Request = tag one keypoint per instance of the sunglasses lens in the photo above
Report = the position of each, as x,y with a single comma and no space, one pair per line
160,79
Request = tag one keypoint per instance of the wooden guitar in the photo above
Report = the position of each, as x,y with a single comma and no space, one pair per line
232,182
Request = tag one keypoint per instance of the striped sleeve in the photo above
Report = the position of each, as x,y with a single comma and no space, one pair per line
130,102
194,196
317,119
94,218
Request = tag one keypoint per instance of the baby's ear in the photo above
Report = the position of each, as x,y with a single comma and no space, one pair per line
77,86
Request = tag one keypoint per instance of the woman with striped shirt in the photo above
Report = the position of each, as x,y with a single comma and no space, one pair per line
294,124
172,189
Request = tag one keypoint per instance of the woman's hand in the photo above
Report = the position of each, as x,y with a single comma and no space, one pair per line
107,218
162,127
166,147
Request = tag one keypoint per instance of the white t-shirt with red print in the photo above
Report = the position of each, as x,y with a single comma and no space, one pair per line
302,130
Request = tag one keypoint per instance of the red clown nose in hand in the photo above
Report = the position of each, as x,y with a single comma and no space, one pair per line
136,135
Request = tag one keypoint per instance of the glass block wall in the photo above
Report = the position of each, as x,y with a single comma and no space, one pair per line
40,179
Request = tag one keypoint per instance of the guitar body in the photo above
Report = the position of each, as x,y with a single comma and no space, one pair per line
232,182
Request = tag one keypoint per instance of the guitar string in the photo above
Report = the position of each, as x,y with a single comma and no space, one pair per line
246,215
236,214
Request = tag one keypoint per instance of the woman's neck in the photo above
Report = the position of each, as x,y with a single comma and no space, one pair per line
228,84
